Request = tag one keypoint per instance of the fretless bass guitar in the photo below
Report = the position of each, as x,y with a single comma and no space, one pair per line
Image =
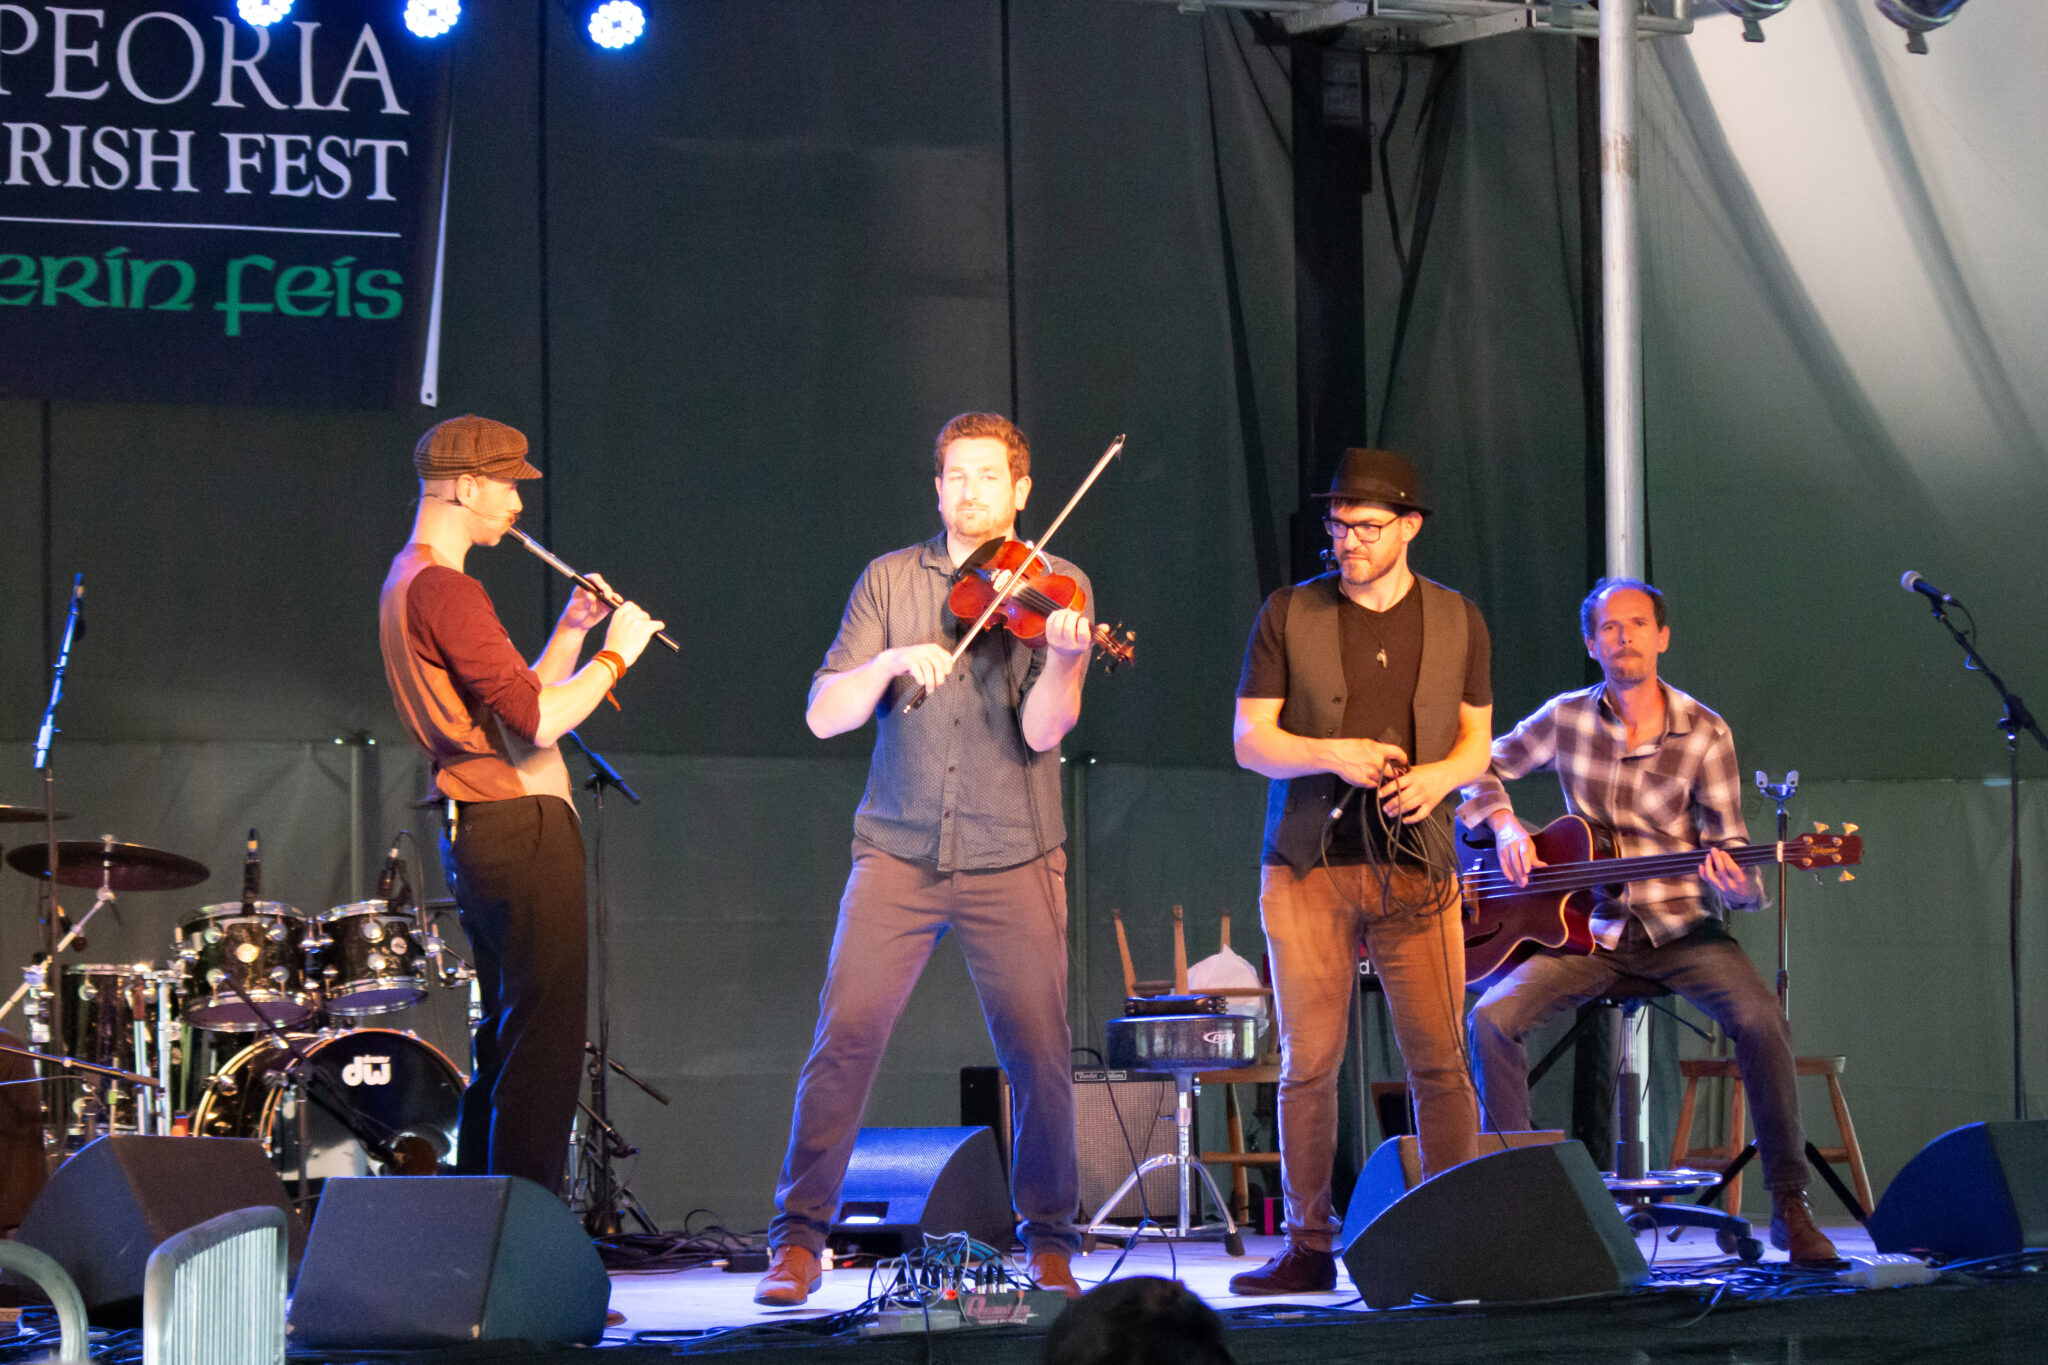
1505,923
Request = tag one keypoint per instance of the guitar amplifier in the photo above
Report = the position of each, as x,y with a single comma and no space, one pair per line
1121,1119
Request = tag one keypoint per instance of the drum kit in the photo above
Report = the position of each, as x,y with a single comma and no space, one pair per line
263,1022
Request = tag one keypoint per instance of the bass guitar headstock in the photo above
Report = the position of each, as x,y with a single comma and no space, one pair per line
1821,850
1115,646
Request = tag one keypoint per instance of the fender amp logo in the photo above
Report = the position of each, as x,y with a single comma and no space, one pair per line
367,1071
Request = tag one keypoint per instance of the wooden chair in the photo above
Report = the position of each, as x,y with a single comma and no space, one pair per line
1716,1157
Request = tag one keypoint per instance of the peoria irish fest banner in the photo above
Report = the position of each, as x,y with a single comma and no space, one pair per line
194,209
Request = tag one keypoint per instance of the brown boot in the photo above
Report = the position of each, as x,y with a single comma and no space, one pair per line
792,1275
1297,1270
1052,1271
1793,1231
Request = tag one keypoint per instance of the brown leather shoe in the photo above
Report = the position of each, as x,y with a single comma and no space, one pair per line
1052,1271
792,1274
1793,1231
1296,1270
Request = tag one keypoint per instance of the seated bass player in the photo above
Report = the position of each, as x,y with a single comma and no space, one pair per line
1658,770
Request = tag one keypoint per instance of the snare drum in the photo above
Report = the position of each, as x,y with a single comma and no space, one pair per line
260,951
406,1091
369,960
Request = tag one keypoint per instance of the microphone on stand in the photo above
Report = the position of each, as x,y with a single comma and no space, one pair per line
1913,582
252,874
393,878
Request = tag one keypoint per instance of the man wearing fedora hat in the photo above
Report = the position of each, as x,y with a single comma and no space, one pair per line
488,722
1366,696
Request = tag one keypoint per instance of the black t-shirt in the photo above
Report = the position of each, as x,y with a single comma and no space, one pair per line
1382,661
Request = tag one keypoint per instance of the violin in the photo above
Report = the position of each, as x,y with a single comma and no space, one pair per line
1024,609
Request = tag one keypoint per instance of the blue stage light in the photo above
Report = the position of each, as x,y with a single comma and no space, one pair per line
432,18
263,13
616,23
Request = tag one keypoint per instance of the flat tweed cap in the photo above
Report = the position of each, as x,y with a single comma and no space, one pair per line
472,445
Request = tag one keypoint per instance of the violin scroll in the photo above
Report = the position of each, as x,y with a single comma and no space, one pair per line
1117,646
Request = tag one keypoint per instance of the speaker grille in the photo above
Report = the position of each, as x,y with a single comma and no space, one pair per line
1120,1123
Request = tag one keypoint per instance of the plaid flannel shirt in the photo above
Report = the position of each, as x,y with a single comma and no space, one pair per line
1683,792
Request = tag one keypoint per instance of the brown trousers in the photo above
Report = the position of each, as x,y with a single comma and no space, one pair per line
1314,926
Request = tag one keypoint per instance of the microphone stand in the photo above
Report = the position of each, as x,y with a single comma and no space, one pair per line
604,1145
2015,720
50,913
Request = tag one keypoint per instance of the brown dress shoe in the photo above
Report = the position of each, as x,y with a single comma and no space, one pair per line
792,1274
1793,1231
1296,1270
1052,1271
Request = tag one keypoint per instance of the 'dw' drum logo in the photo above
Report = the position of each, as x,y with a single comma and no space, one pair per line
367,1070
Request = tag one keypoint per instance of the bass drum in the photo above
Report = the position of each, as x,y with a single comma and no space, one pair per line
406,1091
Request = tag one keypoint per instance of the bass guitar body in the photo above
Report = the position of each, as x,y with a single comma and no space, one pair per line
1505,928
1505,923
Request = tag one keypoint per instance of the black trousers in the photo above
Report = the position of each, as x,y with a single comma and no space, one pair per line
517,871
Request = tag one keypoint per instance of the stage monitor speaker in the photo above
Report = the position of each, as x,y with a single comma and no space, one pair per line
1395,1168
1121,1119
120,1197
1522,1225
902,1183
1980,1190
395,1263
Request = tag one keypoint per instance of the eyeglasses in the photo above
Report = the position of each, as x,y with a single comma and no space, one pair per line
1367,532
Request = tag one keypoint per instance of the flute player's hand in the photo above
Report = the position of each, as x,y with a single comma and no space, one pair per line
585,608
629,632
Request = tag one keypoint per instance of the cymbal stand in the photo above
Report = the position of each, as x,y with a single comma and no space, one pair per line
40,976
602,1144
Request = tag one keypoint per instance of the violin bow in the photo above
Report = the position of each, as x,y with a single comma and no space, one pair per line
1004,593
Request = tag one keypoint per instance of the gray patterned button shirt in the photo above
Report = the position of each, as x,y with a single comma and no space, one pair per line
952,783
1682,792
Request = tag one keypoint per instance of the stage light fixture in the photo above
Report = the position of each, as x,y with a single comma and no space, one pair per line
1918,18
1752,13
616,23
432,18
262,13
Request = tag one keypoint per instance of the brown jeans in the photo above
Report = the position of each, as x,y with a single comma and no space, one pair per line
1314,925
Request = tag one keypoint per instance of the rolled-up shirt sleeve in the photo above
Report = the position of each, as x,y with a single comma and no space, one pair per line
451,615
1530,747
1717,811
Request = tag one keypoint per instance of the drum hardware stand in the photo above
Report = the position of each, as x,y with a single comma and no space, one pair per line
602,1144
104,897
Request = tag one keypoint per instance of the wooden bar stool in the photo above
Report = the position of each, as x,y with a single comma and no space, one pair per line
1718,1157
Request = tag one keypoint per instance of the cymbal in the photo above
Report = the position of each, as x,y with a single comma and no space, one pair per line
133,867
27,815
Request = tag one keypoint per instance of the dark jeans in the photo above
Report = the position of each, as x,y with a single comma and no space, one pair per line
1707,967
517,871
1012,928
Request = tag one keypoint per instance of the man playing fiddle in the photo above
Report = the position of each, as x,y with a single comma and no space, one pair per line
960,830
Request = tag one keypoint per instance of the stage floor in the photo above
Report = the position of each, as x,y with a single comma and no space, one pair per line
705,1300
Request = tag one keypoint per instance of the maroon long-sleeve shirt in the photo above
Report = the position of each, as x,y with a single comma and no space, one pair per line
464,693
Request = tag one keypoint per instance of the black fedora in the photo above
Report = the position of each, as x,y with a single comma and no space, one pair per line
1377,476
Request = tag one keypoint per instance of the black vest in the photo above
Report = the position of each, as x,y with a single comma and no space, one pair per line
1298,808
